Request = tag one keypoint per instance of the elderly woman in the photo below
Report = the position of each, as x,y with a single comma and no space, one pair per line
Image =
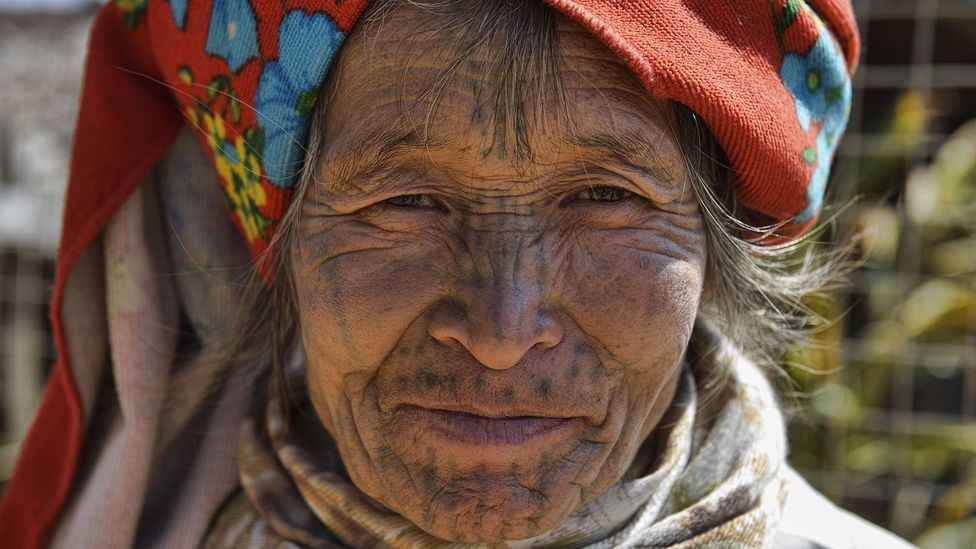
517,276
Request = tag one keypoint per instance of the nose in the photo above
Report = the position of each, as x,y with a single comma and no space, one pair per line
504,313
497,331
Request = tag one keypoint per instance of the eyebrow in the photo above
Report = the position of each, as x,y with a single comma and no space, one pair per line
628,148
376,150
379,148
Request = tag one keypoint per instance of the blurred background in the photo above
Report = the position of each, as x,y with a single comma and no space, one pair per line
42,48
888,398
886,425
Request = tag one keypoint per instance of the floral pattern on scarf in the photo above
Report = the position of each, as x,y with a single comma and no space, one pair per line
818,80
233,33
179,12
288,89
238,167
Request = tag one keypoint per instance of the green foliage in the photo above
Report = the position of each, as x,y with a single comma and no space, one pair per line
885,389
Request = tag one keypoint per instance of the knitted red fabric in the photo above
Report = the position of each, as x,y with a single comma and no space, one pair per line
770,78
748,69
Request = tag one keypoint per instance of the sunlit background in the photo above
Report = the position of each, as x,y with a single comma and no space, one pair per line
888,396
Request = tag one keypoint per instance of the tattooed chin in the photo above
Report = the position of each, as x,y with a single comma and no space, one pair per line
487,470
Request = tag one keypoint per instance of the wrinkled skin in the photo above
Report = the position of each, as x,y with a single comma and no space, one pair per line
489,343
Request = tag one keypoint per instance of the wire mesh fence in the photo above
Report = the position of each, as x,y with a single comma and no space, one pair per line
41,57
889,427
25,345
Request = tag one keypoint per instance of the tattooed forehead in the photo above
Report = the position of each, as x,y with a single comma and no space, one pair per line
529,99
362,161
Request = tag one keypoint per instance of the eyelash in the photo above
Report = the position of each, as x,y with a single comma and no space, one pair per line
604,194
412,201
601,194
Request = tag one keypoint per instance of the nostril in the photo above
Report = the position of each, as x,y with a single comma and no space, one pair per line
449,322
550,332
496,345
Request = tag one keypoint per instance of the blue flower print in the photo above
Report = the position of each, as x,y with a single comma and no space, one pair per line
233,32
179,12
821,90
288,88
819,84
818,179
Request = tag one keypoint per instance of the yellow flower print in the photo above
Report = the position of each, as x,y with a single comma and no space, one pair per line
191,113
216,131
185,75
240,173
246,193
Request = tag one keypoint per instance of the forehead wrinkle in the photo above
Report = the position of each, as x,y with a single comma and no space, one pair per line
383,148
378,148
628,148
486,49
506,73
365,154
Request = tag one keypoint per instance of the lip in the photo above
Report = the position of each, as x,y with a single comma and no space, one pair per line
476,430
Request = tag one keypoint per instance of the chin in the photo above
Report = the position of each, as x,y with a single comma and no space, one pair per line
519,479
496,511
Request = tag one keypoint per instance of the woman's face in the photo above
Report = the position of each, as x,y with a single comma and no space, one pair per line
491,336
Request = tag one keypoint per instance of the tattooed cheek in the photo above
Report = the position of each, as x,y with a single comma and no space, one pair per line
544,389
428,380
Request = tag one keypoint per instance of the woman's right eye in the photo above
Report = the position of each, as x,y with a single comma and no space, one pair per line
412,201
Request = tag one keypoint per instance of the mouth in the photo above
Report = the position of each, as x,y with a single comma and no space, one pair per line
484,431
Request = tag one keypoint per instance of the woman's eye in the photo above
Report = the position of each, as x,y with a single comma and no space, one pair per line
602,194
413,201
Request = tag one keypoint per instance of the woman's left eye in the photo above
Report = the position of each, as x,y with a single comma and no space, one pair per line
413,201
602,194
